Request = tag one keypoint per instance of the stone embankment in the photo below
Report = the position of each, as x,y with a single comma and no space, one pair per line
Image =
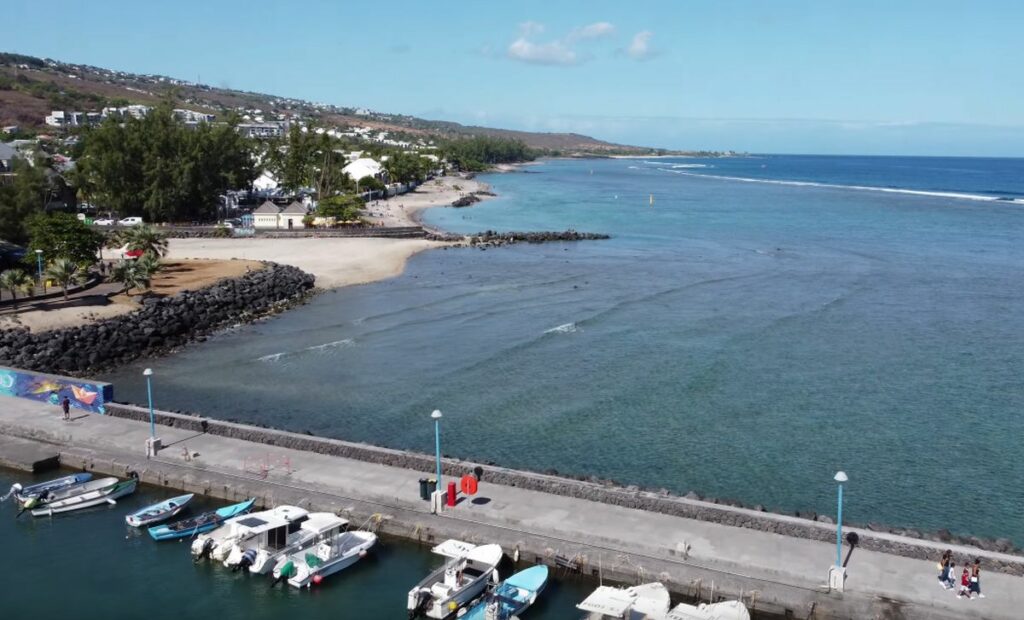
592,489
490,238
159,326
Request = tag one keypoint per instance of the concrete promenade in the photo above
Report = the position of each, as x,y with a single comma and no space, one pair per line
773,573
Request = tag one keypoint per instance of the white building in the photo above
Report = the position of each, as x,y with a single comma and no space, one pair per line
269,216
364,167
265,182
263,130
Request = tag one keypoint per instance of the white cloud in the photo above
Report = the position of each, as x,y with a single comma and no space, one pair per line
551,53
591,31
556,51
640,47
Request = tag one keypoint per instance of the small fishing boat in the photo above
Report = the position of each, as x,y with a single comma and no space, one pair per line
512,597
649,601
158,512
459,581
200,524
725,610
336,551
87,499
66,492
22,494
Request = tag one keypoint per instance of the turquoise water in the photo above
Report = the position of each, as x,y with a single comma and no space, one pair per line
91,565
744,337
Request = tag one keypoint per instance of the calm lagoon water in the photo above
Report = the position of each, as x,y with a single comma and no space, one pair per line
765,322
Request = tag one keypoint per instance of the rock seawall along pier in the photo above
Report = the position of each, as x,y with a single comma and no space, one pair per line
491,238
160,326
604,492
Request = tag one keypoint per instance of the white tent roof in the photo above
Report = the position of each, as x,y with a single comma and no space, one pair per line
363,167
265,181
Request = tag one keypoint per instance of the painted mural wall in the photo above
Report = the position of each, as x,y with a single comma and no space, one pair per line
89,396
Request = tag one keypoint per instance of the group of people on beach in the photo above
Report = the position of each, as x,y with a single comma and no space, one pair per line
967,584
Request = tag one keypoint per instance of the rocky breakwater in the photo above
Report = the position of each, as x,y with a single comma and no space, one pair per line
159,326
490,238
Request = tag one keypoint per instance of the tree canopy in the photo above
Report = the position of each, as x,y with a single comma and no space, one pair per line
157,168
62,235
343,207
480,152
26,195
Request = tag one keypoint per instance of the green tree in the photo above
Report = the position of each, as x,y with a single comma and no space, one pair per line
342,207
135,273
16,281
62,235
25,196
368,183
406,167
146,239
64,272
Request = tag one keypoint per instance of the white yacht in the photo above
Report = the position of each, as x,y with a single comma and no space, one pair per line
219,543
649,601
259,553
464,576
333,551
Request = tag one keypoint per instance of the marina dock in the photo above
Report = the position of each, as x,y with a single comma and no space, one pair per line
770,572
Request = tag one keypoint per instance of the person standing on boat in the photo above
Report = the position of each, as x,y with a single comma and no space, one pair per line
66,406
975,586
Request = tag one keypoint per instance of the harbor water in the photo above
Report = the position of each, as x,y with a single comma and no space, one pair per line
754,325
90,564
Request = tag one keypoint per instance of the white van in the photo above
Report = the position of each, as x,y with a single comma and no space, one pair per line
130,221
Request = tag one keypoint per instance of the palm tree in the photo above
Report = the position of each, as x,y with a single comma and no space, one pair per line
15,280
146,239
127,274
64,272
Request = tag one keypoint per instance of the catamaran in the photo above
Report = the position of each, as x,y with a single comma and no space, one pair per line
87,495
275,539
158,512
218,544
463,577
512,597
200,524
334,551
649,601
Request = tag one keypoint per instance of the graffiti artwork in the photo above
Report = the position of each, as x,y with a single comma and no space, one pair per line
87,395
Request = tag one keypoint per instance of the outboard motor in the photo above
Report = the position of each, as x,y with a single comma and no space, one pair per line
285,573
204,553
422,602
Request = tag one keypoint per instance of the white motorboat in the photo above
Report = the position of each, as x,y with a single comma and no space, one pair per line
272,541
334,551
463,578
219,543
725,610
86,497
649,601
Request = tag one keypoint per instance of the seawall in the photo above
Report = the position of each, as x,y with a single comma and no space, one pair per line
590,526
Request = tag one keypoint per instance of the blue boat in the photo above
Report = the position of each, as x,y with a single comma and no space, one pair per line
22,494
158,512
200,524
512,597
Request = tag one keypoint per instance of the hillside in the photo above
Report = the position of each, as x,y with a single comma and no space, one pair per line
31,87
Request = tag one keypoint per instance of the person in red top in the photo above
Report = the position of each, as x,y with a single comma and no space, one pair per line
965,584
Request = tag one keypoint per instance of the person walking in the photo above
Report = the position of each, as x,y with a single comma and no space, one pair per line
965,584
975,585
65,405
944,567
950,582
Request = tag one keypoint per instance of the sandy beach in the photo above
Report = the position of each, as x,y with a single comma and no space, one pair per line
403,210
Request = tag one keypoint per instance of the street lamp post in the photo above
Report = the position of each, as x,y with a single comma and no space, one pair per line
437,443
39,268
840,477
152,444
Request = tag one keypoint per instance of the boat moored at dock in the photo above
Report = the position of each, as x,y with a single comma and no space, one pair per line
275,539
200,524
161,511
23,494
649,601
219,543
512,597
463,578
88,495
335,550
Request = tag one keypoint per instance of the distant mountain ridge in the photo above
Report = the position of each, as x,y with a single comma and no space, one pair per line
31,87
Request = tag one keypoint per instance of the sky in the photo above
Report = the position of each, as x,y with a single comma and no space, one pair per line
935,77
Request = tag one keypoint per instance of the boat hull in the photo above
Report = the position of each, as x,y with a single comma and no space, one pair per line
88,500
159,512
201,524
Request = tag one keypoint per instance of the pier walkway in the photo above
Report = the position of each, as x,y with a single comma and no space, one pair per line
775,573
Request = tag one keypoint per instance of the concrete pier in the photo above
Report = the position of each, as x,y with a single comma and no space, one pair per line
30,456
772,573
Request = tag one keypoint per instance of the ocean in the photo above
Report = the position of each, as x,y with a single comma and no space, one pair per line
754,325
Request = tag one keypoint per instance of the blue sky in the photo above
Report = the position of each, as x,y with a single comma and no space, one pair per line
908,77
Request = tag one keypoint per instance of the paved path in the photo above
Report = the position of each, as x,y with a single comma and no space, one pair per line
767,561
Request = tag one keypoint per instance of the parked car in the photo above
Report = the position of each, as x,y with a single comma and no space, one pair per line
130,221
104,221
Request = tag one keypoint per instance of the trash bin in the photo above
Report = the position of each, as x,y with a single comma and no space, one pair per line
424,493
431,487
452,494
